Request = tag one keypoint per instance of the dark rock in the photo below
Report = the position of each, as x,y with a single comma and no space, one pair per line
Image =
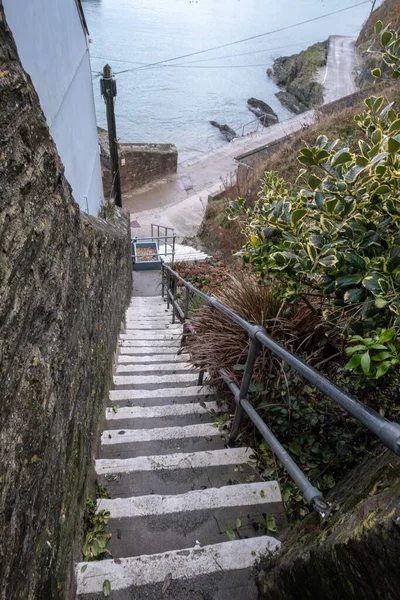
263,111
65,281
226,131
296,74
291,102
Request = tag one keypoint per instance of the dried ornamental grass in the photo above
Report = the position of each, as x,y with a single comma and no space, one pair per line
220,343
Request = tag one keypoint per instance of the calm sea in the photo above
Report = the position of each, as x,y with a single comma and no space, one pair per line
174,103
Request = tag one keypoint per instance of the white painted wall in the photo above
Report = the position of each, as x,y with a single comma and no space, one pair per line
53,49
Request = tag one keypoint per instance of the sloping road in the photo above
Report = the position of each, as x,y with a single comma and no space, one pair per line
179,201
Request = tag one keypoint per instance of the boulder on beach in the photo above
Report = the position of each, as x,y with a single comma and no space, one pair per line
226,131
263,111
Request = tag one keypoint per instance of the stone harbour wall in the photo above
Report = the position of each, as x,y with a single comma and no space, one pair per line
65,282
144,163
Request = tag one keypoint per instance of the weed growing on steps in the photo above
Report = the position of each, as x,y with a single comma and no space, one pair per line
96,538
102,491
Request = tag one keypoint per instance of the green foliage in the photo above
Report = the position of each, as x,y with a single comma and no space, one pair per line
233,532
322,439
102,491
339,237
96,538
373,356
389,51
106,588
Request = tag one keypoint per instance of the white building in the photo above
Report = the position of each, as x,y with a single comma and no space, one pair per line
52,42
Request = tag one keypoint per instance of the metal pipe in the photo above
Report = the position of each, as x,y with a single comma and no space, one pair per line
201,377
311,494
387,431
244,387
187,300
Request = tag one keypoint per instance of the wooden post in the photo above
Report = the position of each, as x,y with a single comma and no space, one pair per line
109,91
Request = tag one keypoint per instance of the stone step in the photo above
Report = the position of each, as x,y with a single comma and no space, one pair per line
160,369
218,572
161,396
158,315
137,334
159,416
151,382
125,358
176,473
159,344
200,515
152,326
135,350
129,443
145,300
160,311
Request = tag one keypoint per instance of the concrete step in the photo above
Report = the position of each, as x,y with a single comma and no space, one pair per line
138,334
216,572
157,316
125,358
153,326
151,343
139,524
160,369
161,396
176,473
159,416
129,443
134,350
151,382
148,311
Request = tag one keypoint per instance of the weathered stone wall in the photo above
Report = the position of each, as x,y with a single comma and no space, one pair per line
65,281
355,554
144,163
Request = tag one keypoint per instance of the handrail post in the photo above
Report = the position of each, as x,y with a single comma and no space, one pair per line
173,249
244,388
174,297
162,280
168,287
187,300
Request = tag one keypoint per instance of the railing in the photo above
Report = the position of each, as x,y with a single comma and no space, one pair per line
387,431
164,235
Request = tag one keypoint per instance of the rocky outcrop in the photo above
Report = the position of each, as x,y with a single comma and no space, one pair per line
228,133
263,111
297,75
355,553
65,281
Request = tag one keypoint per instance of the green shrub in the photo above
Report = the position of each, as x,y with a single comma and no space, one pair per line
338,239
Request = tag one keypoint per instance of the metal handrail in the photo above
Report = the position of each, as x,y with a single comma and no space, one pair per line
387,431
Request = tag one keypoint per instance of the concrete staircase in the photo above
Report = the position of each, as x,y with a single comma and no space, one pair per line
174,485
183,253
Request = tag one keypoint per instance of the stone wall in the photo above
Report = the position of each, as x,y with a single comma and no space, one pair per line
355,553
65,282
144,163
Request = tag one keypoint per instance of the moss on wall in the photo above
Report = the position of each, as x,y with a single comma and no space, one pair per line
355,554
